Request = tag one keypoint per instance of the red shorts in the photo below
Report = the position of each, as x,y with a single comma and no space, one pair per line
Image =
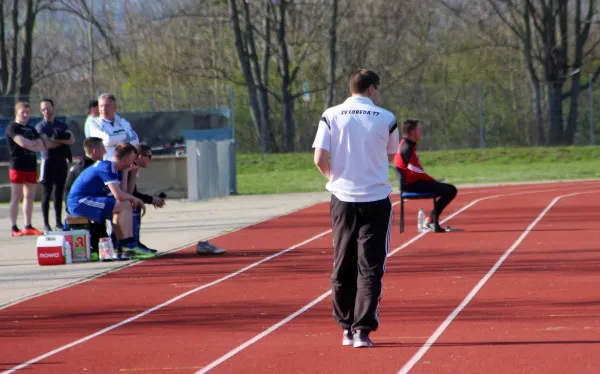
22,177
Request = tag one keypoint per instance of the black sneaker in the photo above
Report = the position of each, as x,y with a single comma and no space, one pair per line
208,248
60,227
361,339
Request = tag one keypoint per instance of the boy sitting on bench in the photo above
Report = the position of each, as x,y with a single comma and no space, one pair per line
416,180
89,197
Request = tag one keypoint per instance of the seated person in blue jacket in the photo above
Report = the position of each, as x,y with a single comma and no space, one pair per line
89,197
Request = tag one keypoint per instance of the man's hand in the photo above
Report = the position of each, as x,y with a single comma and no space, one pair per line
158,202
137,203
133,169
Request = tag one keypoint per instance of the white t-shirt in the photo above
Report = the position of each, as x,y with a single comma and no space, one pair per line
112,133
359,137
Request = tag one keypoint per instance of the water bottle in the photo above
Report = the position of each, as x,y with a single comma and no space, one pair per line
67,253
105,249
421,220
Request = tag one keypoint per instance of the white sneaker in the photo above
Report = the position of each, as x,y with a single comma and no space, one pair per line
348,338
361,340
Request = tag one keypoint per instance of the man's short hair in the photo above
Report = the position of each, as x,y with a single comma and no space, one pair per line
409,126
89,144
92,104
47,100
21,105
108,96
124,149
362,80
143,148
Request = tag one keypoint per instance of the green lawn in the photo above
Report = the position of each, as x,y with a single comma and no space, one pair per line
295,172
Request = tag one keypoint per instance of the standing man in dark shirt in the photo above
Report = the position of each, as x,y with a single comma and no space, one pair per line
23,142
57,138
416,179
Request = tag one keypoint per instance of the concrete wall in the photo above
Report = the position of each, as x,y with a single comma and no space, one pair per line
166,174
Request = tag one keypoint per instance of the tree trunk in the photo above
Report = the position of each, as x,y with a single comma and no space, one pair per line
245,65
332,46
26,80
284,72
555,113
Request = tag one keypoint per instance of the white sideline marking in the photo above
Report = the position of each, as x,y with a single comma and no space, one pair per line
248,343
308,306
166,303
440,330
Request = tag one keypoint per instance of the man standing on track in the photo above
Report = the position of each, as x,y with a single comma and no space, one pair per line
416,179
110,127
57,138
23,142
354,145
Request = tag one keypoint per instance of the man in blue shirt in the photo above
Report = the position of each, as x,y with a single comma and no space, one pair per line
89,197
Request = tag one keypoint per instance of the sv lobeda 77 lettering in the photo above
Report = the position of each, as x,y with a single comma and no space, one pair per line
367,112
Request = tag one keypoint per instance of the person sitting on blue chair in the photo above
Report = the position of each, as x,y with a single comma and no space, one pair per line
413,179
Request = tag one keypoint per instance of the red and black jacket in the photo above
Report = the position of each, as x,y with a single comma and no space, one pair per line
408,162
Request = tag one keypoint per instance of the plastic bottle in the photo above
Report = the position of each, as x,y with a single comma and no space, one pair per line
68,254
421,220
105,249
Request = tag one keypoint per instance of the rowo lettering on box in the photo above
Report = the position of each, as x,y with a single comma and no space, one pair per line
49,255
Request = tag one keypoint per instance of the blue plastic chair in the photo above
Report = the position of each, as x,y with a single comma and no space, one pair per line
409,196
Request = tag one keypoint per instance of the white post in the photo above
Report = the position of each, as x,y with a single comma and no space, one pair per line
192,169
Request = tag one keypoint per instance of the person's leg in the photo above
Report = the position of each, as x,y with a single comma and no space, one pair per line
345,270
59,190
28,198
123,222
47,181
444,191
16,195
375,222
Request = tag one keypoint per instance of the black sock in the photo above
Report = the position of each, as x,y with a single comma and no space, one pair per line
28,227
127,242
15,228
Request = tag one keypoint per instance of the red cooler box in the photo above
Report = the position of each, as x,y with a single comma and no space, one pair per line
50,250
79,241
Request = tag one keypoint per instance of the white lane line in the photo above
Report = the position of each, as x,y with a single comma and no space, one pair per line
166,303
171,301
440,330
248,343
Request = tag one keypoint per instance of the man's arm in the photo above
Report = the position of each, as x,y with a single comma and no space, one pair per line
392,146
69,141
147,199
32,145
322,162
119,194
322,145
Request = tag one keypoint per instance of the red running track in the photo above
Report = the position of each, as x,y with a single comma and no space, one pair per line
192,332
